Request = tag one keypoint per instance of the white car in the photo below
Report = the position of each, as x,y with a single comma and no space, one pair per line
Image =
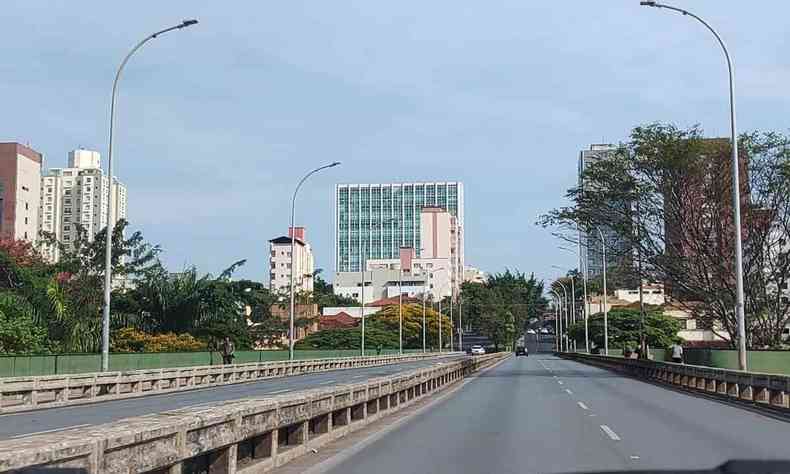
477,350
531,331
544,331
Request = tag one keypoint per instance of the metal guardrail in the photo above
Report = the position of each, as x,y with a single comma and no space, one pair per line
762,390
251,435
47,391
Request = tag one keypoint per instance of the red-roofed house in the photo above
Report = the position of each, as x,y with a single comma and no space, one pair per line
340,320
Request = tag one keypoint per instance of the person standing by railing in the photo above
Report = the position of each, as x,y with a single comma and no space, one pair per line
677,353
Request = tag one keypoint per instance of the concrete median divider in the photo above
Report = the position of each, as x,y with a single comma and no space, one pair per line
245,436
767,391
47,391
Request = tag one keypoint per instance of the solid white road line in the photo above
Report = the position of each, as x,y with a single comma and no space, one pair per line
50,431
327,382
278,391
583,406
610,433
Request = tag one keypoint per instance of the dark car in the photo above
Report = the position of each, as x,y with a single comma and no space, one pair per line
521,351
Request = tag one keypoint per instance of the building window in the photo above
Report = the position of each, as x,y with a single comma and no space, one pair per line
27,207
67,210
67,192
25,235
25,220
66,237
66,228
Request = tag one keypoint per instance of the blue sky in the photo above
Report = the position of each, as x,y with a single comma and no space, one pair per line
216,123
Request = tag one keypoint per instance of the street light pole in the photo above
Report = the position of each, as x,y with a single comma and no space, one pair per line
736,188
586,328
362,297
424,292
400,310
605,309
452,301
105,332
293,255
440,323
557,312
565,291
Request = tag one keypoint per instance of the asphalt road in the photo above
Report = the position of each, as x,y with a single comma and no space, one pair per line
544,414
56,419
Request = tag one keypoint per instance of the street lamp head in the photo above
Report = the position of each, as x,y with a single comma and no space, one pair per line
186,23
648,3
336,163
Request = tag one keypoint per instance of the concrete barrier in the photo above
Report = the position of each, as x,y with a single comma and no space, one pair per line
245,436
47,391
769,391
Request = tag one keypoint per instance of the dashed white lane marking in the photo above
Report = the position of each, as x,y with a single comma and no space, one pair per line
568,391
278,391
635,458
357,376
583,406
50,431
609,432
560,382
327,382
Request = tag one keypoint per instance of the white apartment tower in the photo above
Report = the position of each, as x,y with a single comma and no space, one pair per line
280,263
78,195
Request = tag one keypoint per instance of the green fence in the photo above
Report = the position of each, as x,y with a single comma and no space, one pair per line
28,365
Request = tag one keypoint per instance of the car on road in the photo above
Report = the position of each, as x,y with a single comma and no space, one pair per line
544,331
531,331
521,351
478,350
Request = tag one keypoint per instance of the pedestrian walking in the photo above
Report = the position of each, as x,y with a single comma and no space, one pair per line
677,353
227,350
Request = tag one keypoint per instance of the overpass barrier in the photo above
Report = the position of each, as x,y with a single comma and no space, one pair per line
47,391
243,436
769,391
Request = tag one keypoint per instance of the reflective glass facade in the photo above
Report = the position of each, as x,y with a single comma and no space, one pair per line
378,219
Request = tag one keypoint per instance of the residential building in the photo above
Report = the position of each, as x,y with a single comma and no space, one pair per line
386,278
373,221
618,251
78,195
341,320
474,275
20,191
698,212
280,262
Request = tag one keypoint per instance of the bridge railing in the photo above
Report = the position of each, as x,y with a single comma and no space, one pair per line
46,391
245,436
763,390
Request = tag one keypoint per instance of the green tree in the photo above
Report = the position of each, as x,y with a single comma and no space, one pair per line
666,193
501,307
19,334
624,326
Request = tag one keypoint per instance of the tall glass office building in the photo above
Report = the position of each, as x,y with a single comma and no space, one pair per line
381,218
617,249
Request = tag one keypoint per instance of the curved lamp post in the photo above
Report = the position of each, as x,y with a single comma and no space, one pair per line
736,188
293,255
105,330
565,291
557,312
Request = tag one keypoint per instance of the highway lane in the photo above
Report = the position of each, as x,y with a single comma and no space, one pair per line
544,414
55,419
